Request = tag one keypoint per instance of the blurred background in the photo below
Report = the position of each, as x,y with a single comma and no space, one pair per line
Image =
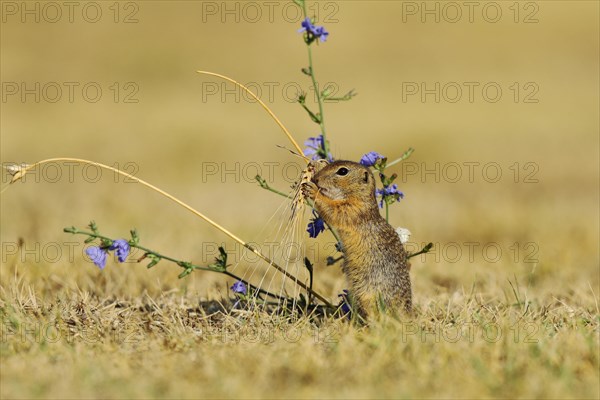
499,99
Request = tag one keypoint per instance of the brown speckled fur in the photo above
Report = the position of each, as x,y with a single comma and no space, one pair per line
375,262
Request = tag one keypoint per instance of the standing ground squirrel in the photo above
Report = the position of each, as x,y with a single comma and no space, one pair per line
375,262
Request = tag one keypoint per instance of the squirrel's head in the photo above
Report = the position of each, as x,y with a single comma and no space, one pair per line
346,181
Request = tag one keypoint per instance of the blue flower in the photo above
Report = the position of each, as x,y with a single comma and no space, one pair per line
313,144
307,26
315,226
390,192
344,304
321,33
369,159
313,32
239,287
315,149
121,247
97,255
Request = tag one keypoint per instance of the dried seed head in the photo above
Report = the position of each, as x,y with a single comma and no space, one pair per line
309,172
404,234
16,171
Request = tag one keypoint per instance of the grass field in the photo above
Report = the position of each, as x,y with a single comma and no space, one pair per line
507,303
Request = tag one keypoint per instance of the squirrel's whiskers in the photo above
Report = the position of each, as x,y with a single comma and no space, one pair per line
19,171
291,230
285,247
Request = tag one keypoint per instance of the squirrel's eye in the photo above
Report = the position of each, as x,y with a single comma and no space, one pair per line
342,171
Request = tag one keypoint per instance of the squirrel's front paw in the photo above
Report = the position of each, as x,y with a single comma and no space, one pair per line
309,190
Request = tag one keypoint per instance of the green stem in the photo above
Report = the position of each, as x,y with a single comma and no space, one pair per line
422,251
263,184
259,290
403,157
173,260
309,293
387,212
270,189
334,260
334,233
319,100
317,90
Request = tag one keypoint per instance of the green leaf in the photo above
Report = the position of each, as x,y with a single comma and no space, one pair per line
302,98
346,97
387,181
135,238
308,264
221,261
331,260
223,254
315,117
407,153
424,250
302,302
185,273
380,164
155,259
261,181
94,227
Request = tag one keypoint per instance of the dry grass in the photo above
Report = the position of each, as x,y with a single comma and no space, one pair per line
63,342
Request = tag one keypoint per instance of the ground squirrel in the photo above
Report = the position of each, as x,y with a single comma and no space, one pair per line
375,262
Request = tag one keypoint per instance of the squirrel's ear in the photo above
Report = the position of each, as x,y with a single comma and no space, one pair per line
366,176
